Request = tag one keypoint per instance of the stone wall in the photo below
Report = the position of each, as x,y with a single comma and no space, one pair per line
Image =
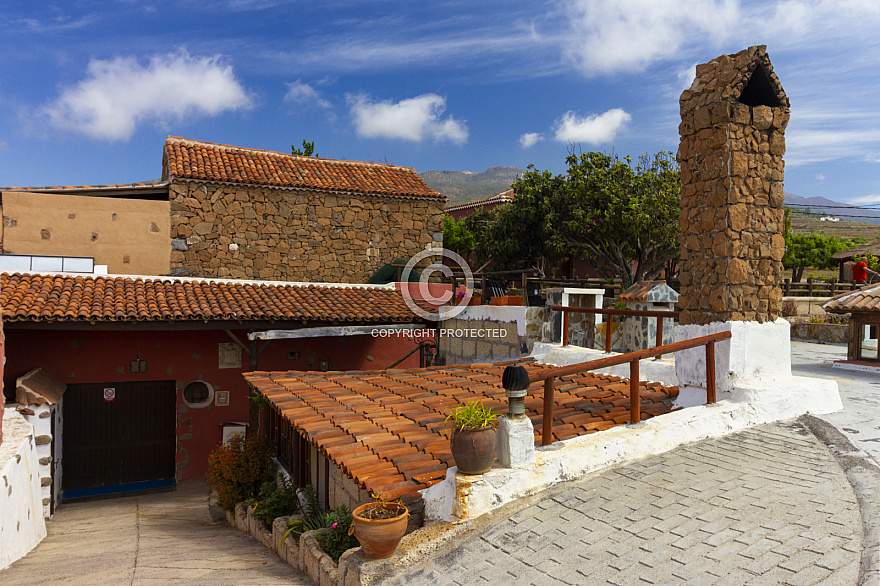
229,231
732,143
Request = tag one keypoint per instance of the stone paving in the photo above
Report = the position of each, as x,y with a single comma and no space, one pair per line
769,505
167,538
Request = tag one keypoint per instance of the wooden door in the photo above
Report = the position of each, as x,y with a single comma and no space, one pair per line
118,433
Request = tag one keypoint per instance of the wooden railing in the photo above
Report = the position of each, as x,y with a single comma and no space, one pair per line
566,310
816,288
633,358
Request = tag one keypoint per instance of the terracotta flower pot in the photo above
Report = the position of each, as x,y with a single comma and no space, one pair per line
474,450
379,537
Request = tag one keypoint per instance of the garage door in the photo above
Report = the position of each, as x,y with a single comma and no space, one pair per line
118,433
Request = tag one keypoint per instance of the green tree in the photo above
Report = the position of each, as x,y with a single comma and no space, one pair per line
307,150
456,237
523,234
622,215
470,236
810,250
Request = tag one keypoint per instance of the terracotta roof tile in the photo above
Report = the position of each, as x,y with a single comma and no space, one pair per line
41,297
865,299
395,421
191,159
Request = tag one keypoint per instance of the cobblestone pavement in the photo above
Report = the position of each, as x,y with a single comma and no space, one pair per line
769,505
160,539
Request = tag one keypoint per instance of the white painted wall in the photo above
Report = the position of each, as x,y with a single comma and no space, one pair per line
22,525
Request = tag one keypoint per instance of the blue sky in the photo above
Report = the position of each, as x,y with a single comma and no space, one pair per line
89,90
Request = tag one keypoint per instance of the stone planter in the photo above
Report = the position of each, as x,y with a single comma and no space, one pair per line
316,564
241,517
828,333
289,550
258,529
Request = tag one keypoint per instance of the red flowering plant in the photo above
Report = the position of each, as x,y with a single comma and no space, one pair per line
237,470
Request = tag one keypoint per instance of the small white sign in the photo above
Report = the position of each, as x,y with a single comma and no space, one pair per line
109,394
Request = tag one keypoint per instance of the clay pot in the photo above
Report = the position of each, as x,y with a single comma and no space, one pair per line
379,537
474,450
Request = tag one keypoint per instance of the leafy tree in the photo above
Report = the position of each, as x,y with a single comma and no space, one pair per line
470,237
456,237
524,234
622,215
307,150
810,250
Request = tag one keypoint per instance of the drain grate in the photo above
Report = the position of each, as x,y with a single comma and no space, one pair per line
113,495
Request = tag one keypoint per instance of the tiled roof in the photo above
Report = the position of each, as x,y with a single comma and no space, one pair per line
68,298
190,159
501,198
866,299
388,429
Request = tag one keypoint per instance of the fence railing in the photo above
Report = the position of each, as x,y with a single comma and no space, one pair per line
659,314
548,376
816,288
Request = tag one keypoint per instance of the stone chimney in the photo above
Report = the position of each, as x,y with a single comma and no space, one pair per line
733,121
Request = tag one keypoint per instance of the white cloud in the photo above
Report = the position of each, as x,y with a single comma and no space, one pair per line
608,36
594,130
303,93
530,139
873,157
413,119
820,177
871,198
118,95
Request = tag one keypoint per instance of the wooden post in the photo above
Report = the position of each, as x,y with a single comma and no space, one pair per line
608,329
565,328
547,428
659,340
635,407
485,298
525,289
786,287
710,373
810,286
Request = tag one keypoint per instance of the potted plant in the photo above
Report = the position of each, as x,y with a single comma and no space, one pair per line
474,437
379,526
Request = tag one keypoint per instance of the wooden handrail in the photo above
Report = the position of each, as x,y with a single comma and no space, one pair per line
548,375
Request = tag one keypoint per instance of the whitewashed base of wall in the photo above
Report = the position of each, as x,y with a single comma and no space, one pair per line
754,386
22,525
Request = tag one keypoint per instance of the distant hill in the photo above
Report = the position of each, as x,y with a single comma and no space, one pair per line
826,207
464,186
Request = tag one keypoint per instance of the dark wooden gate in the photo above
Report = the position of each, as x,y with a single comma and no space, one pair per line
127,439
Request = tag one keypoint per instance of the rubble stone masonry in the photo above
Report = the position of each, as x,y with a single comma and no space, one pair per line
732,143
230,231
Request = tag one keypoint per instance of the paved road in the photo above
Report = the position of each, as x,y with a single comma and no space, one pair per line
160,539
769,505
859,391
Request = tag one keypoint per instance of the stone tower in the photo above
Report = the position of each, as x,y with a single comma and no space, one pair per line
733,121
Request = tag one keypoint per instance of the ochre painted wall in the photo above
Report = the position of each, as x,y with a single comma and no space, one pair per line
130,236
76,357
